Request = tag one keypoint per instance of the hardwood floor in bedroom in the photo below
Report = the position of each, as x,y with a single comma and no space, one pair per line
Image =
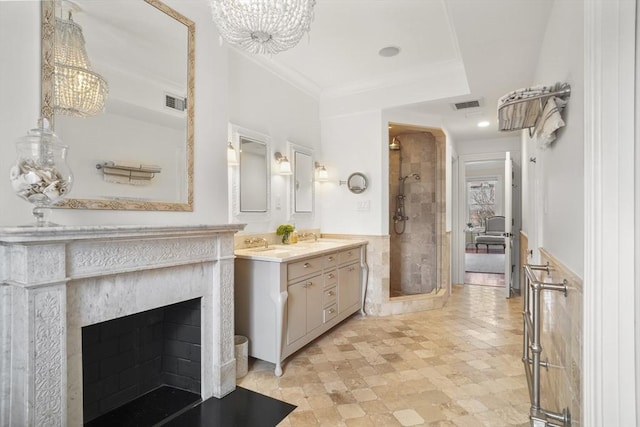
484,279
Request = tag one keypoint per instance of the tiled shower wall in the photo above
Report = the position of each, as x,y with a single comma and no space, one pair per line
414,256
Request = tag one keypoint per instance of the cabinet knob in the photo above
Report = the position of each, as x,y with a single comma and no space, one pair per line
331,311
330,258
331,276
330,293
351,268
309,283
306,265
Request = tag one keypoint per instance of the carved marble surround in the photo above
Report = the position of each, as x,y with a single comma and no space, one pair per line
55,280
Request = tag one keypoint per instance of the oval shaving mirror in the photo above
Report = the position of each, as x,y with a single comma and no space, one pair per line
137,152
357,182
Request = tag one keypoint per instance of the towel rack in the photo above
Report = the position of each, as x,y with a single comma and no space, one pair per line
525,109
132,173
532,348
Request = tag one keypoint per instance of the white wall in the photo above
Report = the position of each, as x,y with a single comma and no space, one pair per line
263,102
19,83
358,142
558,207
500,145
352,143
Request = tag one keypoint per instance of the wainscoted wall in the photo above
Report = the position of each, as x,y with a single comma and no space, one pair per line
377,300
524,258
561,336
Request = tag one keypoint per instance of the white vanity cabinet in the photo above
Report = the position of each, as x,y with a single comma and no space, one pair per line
286,298
304,301
349,277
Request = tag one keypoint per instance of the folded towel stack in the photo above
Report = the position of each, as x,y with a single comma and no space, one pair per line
515,114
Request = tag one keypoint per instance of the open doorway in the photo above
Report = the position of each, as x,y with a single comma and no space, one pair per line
484,248
494,177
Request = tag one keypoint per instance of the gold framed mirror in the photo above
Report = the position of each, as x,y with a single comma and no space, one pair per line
148,118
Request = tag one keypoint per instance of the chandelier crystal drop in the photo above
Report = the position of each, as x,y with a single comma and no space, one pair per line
79,91
263,26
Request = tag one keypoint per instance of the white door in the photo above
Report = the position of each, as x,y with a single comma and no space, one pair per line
508,223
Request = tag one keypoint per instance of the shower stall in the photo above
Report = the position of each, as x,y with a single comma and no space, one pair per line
416,213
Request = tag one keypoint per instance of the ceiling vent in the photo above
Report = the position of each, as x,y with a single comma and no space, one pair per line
175,102
467,104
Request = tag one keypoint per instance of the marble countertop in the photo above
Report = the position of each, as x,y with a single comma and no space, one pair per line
83,232
300,250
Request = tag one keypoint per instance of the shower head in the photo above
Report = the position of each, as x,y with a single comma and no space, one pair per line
395,144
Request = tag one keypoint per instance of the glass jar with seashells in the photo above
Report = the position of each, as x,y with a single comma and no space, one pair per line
40,174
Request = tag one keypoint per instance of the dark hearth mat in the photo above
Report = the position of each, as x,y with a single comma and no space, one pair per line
240,408
148,409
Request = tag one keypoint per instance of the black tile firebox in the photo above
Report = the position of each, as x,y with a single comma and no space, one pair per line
127,357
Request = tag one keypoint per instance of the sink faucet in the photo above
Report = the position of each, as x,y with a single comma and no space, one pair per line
257,240
305,235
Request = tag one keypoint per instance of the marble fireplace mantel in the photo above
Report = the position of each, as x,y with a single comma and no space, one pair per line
55,280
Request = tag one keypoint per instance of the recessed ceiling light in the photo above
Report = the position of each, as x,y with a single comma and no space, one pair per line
483,124
389,51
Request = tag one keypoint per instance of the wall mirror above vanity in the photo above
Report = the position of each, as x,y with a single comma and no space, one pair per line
250,181
145,52
302,184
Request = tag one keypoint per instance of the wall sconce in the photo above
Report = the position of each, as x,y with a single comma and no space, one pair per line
323,175
284,164
232,156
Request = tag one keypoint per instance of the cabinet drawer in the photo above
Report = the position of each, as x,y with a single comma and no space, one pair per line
348,255
303,268
329,296
330,312
329,261
330,278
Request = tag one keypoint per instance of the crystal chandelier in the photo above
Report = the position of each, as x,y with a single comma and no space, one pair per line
263,26
79,91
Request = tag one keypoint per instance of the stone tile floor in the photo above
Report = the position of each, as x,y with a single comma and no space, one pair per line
484,279
458,366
